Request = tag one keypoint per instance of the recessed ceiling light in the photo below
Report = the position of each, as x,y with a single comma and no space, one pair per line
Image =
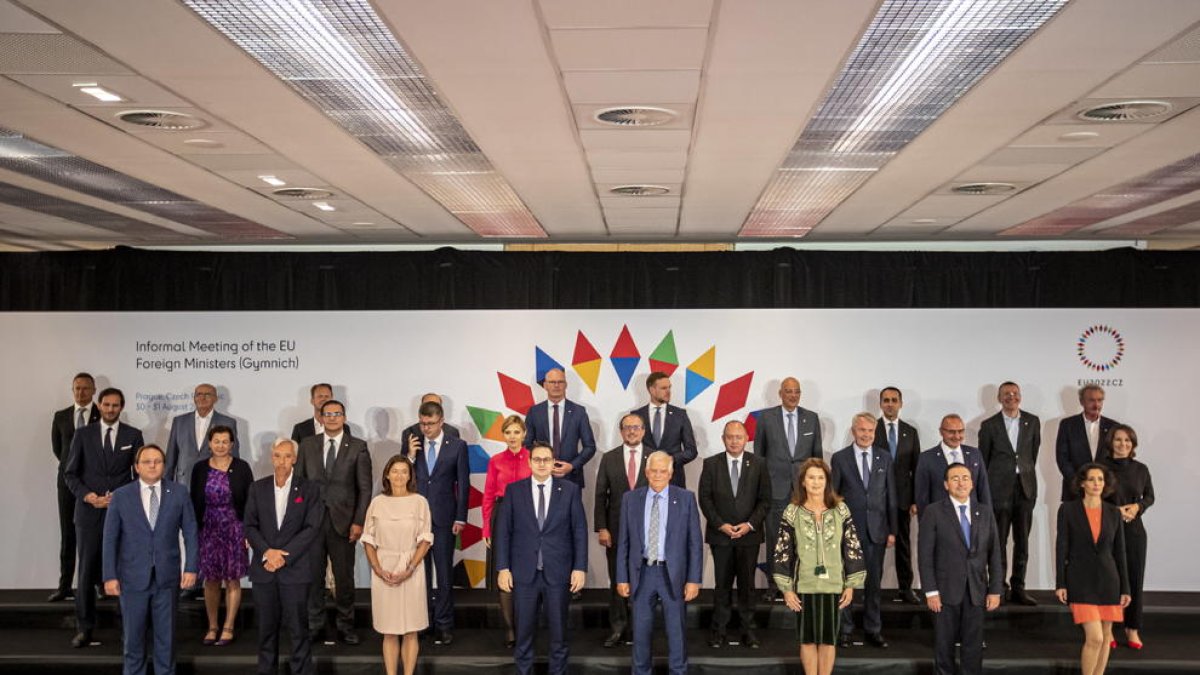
163,120
1075,136
983,188
203,143
363,224
640,190
635,116
97,92
324,206
924,221
272,181
1125,111
302,193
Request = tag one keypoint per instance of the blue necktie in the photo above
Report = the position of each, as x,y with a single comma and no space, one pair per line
866,471
791,433
431,455
153,506
892,438
965,524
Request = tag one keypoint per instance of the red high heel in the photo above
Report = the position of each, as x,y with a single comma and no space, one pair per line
1112,645
1133,644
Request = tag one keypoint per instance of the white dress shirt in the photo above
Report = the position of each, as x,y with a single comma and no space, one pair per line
144,489
202,424
281,499
948,452
1093,434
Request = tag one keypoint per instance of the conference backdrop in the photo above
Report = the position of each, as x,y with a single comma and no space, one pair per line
724,365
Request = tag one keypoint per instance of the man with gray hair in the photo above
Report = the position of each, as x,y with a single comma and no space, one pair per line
1081,437
931,465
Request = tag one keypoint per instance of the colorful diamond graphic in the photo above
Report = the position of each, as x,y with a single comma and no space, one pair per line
543,363
586,361
470,535
488,423
478,459
751,424
732,396
474,497
518,396
700,374
475,571
625,357
663,358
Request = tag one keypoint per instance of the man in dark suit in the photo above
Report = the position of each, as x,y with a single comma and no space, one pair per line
903,444
862,475
100,461
141,559
785,437
283,521
76,416
660,558
341,465
668,427
564,424
188,442
414,430
318,394
735,494
1009,442
541,554
962,571
931,465
1081,438
444,480
621,469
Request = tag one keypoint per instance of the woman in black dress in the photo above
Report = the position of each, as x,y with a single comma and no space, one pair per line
1134,494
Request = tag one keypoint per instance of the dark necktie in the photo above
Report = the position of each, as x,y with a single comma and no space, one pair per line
892,438
153,506
733,475
556,435
791,433
330,456
79,420
541,516
866,471
108,446
657,428
965,524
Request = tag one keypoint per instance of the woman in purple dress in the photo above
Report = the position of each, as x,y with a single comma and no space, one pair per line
220,484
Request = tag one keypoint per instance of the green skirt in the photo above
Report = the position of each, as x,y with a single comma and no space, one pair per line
819,619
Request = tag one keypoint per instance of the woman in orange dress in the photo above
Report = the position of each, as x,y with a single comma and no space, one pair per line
1091,572
506,466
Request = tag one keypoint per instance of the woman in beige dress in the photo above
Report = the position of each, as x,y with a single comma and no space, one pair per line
396,537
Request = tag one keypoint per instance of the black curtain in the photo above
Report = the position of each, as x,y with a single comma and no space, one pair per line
126,279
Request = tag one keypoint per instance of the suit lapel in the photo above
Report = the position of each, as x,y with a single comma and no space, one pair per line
292,503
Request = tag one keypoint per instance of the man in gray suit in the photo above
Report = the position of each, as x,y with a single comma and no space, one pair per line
188,443
786,435
1009,442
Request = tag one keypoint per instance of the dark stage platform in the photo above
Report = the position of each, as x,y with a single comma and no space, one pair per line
36,636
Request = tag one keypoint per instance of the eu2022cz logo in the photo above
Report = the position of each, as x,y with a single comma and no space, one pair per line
1100,348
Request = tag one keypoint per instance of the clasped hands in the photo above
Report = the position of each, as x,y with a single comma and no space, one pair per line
98,501
736,531
394,578
690,591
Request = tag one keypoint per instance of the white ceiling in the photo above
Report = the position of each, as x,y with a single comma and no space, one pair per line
524,79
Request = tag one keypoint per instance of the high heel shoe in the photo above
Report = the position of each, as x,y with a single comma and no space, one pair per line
1133,644
210,638
225,640
1112,645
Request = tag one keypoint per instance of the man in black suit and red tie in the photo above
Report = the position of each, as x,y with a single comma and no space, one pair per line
668,427
76,416
1081,437
1009,442
903,445
318,394
621,469
100,461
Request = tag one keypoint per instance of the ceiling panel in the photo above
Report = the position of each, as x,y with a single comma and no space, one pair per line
640,48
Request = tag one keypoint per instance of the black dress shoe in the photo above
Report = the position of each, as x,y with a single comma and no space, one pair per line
444,638
910,596
613,640
510,640
576,596
716,640
751,640
844,641
82,639
348,637
100,595
59,596
1020,597
877,640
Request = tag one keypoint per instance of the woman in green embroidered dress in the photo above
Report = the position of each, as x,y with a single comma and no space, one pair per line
818,562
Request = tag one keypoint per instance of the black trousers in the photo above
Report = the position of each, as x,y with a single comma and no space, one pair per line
903,555
1015,516
89,537
283,605
340,551
618,607
66,530
441,599
1135,559
958,623
872,621
733,563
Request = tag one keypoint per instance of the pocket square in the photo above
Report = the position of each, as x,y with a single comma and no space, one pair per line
298,500
126,447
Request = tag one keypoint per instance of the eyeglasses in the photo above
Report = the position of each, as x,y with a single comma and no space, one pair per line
632,427
429,424
333,414
549,382
953,432
542,460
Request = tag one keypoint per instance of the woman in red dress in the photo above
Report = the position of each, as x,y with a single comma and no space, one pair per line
506,466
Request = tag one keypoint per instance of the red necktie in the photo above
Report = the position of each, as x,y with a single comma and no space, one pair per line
631,470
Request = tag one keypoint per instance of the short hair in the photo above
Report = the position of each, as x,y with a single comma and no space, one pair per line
886,389
626,416
660,456
112,391
221,429
286,441
952,416
150,446
1089,387
411,485
511,420
84,376
333,401
431,396
654,377
1110,481
862,416
1112,434
540,444
799,494
946,473
312,391
431,409
1008,383
737,422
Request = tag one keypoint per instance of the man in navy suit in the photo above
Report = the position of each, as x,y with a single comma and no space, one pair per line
931,465
564,424
318,394
283,520
100,461
660,557
1081,438
862,475
444,480
903,444
141,559
414,430
188,442
962,571
668,427
76,416
541,554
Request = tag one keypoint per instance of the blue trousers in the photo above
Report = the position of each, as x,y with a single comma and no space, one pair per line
653,583
441,600
556,601
150,611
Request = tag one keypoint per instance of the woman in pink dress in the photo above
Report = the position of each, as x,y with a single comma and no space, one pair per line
507,466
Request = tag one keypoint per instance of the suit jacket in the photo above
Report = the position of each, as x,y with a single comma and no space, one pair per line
948,566
62,430
873,507
1003,460
347,491
182,452
132,551
448,487
240,478
1071,449
677,438
1093,572
577,442
770,443
303,429
683,549
720,506
414,429
301,523
904,464
612,483
562,540
931,476
90,468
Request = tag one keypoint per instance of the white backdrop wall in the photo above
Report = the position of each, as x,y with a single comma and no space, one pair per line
381,362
